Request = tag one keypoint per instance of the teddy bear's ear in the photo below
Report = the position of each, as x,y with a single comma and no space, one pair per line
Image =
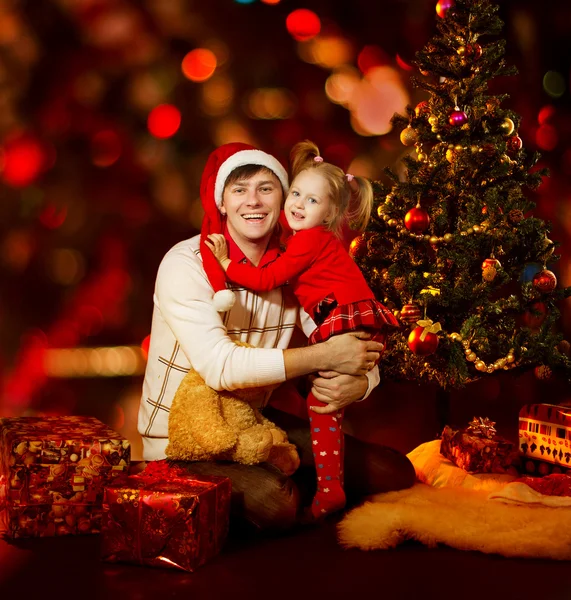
224,300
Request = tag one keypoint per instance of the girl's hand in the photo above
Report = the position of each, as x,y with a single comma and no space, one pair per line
217,243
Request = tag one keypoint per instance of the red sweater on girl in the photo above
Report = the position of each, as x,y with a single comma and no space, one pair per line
315,263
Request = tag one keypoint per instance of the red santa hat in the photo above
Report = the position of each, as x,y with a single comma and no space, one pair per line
219,165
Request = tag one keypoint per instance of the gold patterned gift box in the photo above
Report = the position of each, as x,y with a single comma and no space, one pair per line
165,517
479,449
53,471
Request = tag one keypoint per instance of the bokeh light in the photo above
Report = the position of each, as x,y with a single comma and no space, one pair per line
545,114
145,346
105,148
145,91
270,1
271,103
546,137
53,216
328,51
554,84
303,24
401,62
232,130
65,266
22,159
217,95
341,85
119,361
17,249
377,98
164,121
371,57
199,64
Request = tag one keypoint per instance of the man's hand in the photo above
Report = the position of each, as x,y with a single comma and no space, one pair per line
217,243
338,391
352,353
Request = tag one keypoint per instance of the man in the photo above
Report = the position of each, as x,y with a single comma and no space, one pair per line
242,191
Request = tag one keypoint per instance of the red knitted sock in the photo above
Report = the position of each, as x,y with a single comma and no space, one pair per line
327,439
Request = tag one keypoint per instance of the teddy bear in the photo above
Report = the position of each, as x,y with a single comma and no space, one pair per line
206,425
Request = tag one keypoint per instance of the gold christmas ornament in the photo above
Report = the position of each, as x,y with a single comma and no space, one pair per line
507,126
505,363
542,372
408,136
489,274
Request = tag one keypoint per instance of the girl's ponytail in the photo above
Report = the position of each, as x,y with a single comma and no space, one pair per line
302,157
361,205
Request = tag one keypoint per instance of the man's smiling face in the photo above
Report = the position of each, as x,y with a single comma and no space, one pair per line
252,207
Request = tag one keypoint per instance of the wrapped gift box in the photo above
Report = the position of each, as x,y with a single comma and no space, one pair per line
165,517
53,471
479,450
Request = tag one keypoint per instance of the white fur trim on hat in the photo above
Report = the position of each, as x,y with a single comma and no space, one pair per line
248,157
224,300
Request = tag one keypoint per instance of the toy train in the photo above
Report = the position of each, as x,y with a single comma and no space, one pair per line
545,439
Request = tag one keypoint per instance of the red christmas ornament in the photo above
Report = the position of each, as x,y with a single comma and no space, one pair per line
458,118
491,262
422,109
443,7
417,220
545,281
358,247
514,144
422,342
410,313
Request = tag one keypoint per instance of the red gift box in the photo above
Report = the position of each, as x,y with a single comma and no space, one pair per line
53,471
165,517
478,449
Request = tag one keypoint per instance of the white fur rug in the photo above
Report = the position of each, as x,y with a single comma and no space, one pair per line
460,518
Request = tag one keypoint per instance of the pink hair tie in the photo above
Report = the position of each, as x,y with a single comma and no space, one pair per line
318,159
349,177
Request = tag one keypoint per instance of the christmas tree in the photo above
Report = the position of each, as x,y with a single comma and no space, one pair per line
454,247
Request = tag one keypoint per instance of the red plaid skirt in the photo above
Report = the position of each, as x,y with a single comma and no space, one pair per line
367,315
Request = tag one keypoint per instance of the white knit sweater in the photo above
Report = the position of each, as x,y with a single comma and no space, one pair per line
188,332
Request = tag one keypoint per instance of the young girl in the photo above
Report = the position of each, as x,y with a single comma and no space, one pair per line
327,283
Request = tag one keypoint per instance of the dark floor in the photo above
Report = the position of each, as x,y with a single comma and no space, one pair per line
308,563
304,564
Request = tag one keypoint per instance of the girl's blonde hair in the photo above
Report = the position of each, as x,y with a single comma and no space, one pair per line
352,196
